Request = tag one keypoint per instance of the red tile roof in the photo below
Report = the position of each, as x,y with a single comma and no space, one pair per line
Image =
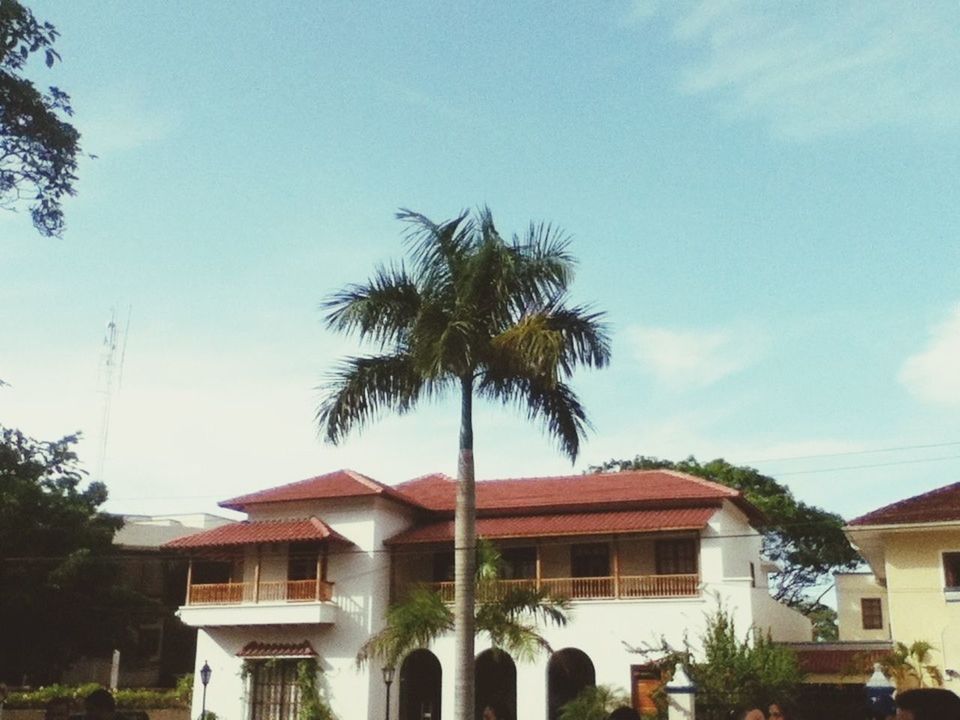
940,505
337,484
263,531
600,523
613,490
276,650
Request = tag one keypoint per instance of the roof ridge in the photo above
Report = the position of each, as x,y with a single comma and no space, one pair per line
732,492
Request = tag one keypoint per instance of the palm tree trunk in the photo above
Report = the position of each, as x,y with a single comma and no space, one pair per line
465,559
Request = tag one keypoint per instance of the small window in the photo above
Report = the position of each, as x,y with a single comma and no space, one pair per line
519,563
302,561
274,690
590,560
872,612
951,570
676,557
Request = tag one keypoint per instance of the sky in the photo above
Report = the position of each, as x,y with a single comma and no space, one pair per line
763,199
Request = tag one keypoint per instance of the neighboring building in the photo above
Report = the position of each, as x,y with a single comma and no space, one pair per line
642,555
862,612
164,647
913,548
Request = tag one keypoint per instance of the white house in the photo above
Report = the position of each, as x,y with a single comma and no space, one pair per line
641,555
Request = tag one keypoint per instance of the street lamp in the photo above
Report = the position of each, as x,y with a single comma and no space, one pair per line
388,673
205,673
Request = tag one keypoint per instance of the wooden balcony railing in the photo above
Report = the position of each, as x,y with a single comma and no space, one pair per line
589,588
237,593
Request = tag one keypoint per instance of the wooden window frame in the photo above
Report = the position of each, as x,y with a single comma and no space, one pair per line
872,618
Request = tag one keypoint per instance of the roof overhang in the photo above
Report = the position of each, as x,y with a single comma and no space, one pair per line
266,651
259,532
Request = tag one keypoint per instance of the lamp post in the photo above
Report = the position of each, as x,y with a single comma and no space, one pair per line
388,673
205,673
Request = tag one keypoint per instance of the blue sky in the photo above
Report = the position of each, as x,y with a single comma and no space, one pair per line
763,198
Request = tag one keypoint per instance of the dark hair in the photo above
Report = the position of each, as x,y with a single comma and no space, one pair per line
99,700
930,703
786,709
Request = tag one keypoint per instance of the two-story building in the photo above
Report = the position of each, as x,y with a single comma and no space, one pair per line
913,549
311,572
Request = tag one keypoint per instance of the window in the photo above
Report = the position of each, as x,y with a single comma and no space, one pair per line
443,566
676,557
302,561
519,563
274,691
590,560
872,613
951,570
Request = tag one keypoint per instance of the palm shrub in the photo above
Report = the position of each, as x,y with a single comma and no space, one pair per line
594,703
476,314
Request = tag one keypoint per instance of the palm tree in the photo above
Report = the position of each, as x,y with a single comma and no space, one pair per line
912,665
473,313
509,618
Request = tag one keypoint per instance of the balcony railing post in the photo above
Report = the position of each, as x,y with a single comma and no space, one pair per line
256,578
189,579
616,566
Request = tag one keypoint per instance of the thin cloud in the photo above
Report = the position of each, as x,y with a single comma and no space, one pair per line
933,374
687,359
816,69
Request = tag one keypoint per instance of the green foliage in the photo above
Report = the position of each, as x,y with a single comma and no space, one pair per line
805,541
63,595
184,687
911,666
824,620
127,698
594,703
313,706
38,148
739,671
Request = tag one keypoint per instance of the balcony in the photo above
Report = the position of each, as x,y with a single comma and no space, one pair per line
624,587
287,602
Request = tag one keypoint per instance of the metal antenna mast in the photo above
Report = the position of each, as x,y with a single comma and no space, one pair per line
111,375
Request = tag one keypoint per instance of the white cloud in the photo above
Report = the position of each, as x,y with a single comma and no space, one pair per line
814,69
691,358
933,374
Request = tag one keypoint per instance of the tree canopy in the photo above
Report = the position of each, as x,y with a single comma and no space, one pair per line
38,147
62,592
806,542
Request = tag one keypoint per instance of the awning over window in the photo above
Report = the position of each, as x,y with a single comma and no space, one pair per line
277,650
262,531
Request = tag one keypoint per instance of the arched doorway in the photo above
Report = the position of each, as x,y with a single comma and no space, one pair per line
420,680
568,672
495,675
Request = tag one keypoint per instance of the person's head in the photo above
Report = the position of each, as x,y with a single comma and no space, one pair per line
99,705
57,709
490,713
928,704
779,711
754,714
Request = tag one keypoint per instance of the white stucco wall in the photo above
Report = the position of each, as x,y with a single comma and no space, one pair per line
851,589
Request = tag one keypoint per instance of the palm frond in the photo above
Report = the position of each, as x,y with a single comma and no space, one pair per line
438,250
585,338
383,310
362,387
544,268
552,402
414,622
511,622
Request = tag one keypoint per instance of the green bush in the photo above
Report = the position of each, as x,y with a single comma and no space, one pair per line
127,698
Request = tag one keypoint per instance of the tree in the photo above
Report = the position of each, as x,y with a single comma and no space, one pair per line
475,314
806,542
62,594
510,618
911,666
38,147
736,671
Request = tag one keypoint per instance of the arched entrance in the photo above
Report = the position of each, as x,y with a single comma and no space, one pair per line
496,683
420,681
568,672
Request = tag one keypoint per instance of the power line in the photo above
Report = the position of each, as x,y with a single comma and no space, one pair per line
897,448
866,467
